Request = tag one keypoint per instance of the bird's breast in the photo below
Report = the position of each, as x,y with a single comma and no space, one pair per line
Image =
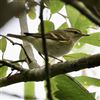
54,48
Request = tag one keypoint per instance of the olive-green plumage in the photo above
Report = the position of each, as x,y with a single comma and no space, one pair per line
59,42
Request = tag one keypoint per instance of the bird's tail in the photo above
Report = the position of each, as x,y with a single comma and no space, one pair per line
22,37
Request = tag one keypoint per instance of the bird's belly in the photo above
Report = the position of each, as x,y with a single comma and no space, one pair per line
59,49
54,48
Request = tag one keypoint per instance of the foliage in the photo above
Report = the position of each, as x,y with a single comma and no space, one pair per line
28,90
64,87
3,44
88,81
3,71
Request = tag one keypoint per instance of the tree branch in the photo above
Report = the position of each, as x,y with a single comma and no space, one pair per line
83,11
44,45
39,74
12,65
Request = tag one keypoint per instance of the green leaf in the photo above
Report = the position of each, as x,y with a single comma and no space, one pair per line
78,20
49,26
22,55
29,91
88,81
67,88
63,26
83,23
75,56
55,5
3,44
3,71
32,13
79,45
72,14
93,39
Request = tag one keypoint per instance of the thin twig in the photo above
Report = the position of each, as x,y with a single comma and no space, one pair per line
14,43
11,65
49,95
18,61
64,16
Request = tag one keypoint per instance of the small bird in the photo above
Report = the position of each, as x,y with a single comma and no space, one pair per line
59,42
93,6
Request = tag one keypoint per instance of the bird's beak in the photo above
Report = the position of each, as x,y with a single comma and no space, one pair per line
85,35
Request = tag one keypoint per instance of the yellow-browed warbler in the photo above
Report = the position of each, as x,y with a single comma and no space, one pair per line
59,42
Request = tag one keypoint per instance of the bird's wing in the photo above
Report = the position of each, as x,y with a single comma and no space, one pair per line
37,35
54,35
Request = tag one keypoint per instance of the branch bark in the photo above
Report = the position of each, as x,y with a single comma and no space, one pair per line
82,10
39,74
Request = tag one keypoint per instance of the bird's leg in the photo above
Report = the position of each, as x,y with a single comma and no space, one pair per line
10,73
55,58
50,56
41,55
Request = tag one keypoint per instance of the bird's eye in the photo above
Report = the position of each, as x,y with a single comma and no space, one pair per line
76,32
65,30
